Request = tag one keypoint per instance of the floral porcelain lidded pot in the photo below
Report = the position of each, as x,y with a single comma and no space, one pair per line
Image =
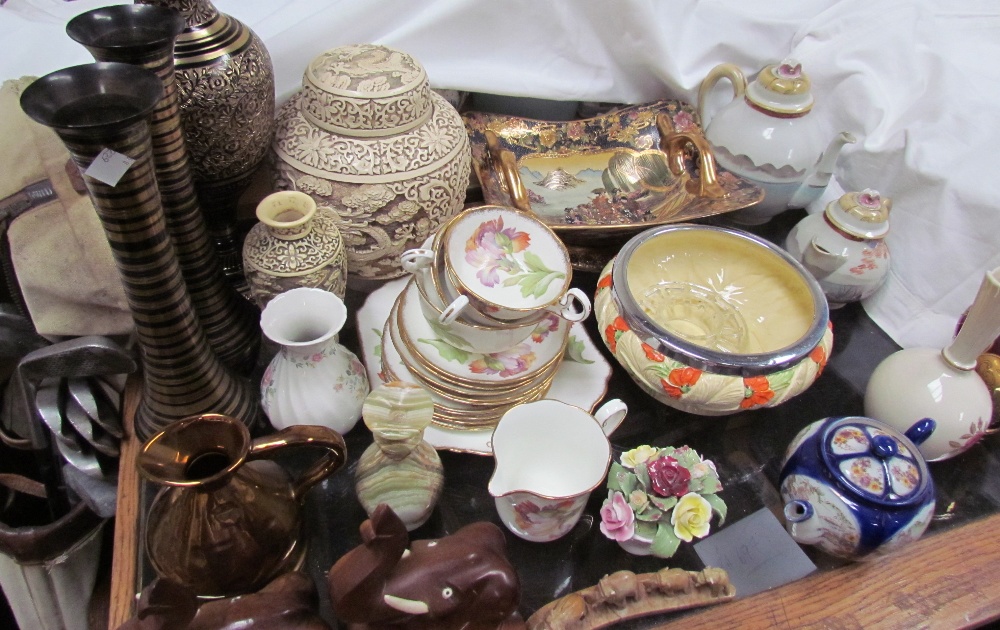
843,247
712,320
367,137
856,487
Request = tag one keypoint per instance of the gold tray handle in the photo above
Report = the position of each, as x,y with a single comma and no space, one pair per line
672,144
305,435
504,164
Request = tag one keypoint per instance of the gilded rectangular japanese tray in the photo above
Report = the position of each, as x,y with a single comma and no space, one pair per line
611,175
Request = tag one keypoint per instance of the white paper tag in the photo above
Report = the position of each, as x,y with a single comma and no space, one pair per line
109,166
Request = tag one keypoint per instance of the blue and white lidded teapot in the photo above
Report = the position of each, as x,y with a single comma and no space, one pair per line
856,487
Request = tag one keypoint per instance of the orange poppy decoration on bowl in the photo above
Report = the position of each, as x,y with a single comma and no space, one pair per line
756,392
680,381
652,354
818,355
614,331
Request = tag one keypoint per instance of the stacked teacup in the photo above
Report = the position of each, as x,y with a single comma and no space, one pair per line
484,320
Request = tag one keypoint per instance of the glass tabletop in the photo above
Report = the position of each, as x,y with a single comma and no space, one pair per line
747,448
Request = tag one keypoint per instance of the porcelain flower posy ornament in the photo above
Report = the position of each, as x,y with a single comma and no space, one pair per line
658,497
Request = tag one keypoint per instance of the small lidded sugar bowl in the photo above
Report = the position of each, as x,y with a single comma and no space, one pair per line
843,247
856,487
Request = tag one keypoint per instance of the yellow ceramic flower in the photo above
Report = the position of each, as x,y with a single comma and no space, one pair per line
691,517
638,455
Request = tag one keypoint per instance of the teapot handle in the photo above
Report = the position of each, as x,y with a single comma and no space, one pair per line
721,71
672,144
504,164
305,435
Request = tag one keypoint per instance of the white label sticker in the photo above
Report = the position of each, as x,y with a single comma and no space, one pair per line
109,166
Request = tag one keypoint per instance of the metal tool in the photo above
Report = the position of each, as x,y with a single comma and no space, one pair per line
79,357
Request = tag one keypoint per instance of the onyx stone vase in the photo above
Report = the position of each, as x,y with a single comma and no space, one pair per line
101,113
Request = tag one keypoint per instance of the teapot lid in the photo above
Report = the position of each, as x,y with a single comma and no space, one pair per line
782,89
874,461
862,214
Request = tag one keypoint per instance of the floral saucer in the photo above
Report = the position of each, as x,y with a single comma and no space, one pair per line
582,382
518,364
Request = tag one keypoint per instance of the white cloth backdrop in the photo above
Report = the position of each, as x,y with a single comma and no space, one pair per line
917,81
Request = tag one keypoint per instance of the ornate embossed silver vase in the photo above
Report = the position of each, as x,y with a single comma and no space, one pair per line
226,83
102,110
144,36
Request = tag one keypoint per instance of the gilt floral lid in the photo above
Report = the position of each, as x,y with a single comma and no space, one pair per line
366,90
862,214
875,462
782,89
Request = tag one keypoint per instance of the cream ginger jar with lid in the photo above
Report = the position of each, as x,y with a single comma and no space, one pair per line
367,137
844,246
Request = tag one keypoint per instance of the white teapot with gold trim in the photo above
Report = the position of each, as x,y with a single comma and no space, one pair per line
765,135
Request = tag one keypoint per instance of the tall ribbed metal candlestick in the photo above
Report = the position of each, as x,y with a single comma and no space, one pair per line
102,110
144,35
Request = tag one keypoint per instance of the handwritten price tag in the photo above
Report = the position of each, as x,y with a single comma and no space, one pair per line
109,166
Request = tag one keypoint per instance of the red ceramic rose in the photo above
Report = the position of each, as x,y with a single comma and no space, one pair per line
668,477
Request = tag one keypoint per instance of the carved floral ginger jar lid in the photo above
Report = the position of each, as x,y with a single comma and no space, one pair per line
366,114
366,90
862,214
874,462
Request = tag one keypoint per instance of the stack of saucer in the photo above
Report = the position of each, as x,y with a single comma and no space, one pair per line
484,321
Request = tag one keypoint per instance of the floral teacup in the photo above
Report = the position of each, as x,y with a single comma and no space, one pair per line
509,265
549,456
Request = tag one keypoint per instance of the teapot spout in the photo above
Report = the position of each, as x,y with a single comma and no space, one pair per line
821,261
803,525
820,176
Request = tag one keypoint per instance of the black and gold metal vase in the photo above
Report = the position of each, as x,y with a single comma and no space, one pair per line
99,111
144,36
226,83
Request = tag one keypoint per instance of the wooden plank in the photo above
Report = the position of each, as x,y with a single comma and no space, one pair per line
945,580
124,564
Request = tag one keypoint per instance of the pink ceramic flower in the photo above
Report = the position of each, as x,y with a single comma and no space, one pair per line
668,477
490,247
617,518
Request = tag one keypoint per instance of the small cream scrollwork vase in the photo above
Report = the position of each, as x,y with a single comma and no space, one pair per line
295,244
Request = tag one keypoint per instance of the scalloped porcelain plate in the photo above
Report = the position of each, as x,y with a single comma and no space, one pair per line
575,383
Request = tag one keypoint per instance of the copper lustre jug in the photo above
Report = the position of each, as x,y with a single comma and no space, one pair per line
227,519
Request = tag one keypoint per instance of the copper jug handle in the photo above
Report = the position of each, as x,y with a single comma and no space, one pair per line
305,435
